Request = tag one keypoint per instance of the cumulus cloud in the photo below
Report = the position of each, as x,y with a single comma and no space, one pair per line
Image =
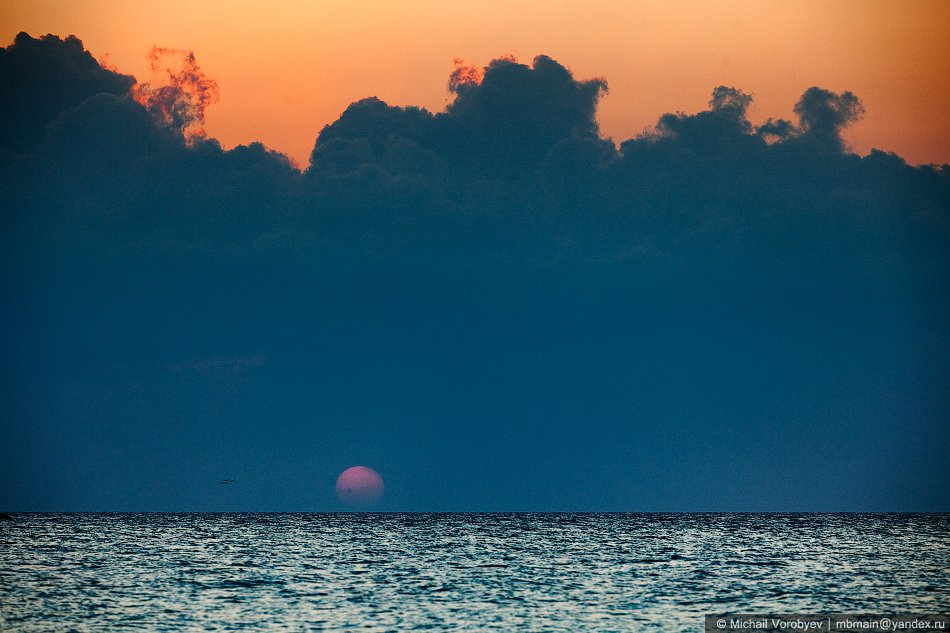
825,114
501,251
464,74
180,101
219,372
514,169
42,77
503,120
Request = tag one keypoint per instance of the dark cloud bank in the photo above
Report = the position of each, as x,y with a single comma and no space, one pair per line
494,306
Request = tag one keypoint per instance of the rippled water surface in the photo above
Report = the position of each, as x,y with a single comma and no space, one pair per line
552,572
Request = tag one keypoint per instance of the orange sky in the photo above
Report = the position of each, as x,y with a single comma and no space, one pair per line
287,67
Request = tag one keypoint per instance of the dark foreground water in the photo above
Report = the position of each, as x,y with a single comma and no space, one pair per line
506,572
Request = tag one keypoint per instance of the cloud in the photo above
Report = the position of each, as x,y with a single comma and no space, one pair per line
464,74
514,168
824,114
42,77
227,365
180,102
219,372
502,123
497,261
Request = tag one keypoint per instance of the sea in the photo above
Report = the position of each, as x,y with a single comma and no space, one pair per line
460,572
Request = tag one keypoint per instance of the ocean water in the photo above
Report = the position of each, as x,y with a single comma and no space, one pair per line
504,572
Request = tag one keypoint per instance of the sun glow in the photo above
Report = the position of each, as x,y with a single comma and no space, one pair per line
286,69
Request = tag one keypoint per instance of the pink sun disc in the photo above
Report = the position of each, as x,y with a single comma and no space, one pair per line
359,486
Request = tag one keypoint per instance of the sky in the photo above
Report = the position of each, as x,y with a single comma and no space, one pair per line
588,268
286,69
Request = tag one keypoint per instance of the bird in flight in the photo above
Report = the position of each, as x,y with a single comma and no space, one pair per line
227,481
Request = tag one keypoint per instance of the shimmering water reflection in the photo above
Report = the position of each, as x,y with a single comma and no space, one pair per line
533,572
